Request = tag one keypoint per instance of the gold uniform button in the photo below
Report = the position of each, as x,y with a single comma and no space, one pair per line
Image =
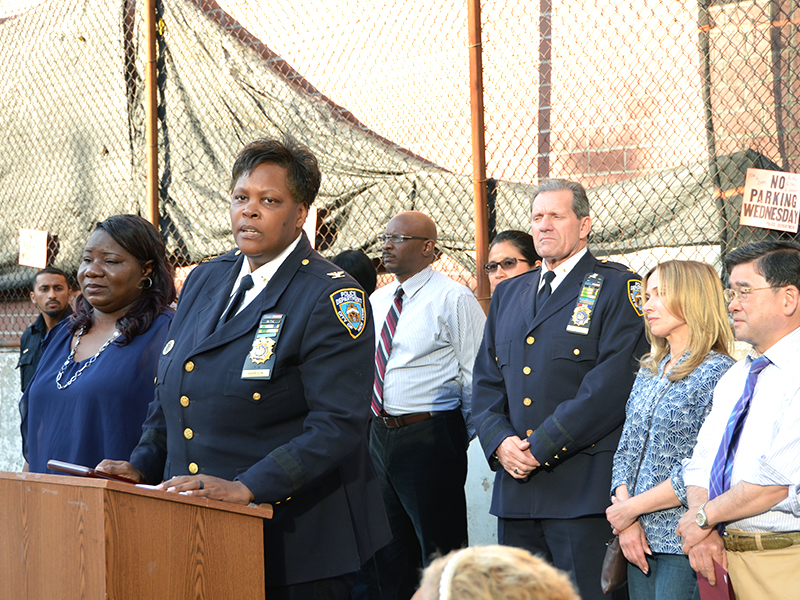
304,261
184,401
530,340
526,370
528,433
576,352
547,464
188,433
256,396
193,468
564,449
189,366
527,402
155,380
556,457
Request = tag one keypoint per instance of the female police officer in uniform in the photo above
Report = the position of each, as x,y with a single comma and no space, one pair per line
263,388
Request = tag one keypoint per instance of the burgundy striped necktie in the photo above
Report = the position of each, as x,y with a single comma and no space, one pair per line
383,351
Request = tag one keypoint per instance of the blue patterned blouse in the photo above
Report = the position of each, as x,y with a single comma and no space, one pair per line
673,434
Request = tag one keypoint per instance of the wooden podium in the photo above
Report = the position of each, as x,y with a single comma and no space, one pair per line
65,537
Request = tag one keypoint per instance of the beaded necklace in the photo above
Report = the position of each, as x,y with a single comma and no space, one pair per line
72,379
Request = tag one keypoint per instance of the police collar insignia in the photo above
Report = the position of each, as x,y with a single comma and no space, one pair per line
635,295
584,307
349,307
260,361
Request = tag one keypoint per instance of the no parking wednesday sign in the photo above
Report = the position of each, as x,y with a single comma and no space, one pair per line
771,200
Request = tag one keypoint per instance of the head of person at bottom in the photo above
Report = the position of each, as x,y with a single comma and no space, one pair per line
273,183
360,267
764,292
124,273
409,244
684,311
560,221
51,294
493,573
511,253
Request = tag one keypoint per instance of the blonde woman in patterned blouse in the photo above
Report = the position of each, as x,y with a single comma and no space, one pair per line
687,326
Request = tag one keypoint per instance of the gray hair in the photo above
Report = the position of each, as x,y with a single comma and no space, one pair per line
580,201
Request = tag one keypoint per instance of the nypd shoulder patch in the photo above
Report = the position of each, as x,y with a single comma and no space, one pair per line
349,305
635,295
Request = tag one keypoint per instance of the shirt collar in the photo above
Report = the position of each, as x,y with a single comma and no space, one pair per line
265,272
414,283
564,268
783,353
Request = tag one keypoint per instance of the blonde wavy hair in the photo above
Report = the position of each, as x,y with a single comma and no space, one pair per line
493,573
692,292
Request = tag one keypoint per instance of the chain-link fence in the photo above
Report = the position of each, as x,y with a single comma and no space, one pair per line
657,106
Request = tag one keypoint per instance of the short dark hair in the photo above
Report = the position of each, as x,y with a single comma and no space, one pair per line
138,237
580,201
777,261
50,271
360,267
521,241
303,176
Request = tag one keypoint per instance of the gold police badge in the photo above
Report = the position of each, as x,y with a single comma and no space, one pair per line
262,350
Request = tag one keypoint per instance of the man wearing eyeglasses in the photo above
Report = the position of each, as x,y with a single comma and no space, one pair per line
428,331
552,377
742,477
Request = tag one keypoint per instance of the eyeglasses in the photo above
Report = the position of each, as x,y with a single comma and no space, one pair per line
397,238
742,293
506,264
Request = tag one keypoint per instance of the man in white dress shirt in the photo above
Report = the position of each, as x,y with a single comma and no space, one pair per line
746,457
429,329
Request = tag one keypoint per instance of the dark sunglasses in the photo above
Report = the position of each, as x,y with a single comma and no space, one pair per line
506,264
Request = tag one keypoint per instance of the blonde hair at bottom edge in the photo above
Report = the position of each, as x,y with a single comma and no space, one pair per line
492,573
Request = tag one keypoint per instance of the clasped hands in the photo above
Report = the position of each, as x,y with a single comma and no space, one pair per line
204,486
704,546
515,457
623,517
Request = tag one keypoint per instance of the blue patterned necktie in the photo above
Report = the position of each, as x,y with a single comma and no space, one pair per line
720,480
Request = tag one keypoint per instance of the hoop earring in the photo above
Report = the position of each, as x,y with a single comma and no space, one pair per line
148,286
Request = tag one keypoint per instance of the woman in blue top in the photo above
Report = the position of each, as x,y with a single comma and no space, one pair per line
687,326
89,396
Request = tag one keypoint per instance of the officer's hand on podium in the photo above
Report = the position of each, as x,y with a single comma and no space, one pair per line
206,486
120,467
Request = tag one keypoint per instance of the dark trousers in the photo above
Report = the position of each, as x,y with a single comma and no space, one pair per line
422,469
576,546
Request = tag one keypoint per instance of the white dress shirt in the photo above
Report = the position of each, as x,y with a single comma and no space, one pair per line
261,276
769,446
561,270
434,345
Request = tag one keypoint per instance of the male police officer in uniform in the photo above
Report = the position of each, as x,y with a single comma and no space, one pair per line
550,385
263,390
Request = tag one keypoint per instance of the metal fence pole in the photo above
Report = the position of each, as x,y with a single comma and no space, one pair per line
478,152
151,111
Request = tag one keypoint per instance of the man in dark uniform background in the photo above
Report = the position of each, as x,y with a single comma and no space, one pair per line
51,295
264,387
550,385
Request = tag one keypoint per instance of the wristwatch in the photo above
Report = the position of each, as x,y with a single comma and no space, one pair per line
701,518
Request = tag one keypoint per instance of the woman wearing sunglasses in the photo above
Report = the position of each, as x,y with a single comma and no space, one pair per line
511,253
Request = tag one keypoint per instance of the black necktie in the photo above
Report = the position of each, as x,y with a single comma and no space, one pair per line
245,284
544,291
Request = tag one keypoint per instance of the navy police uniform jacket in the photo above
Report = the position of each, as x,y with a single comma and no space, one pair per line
297,440
563,392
